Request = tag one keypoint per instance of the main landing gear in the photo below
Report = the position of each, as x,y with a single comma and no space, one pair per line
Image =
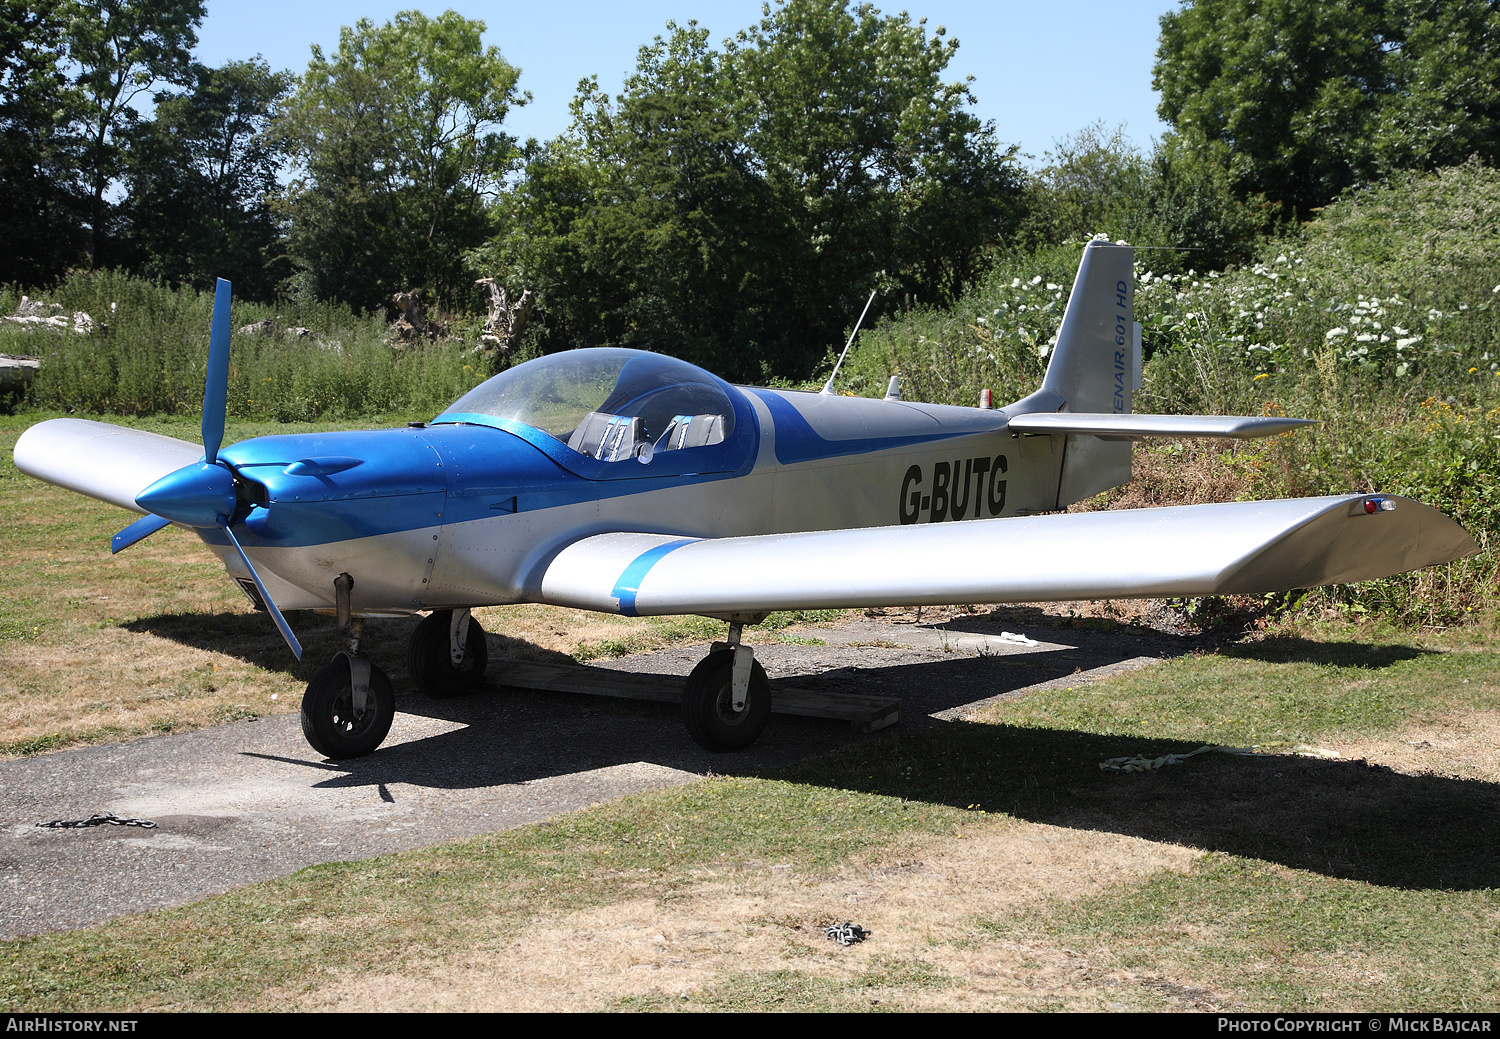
447,654
349,705
728,698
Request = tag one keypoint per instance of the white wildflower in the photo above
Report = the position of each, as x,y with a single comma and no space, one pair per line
1402,344
1334,333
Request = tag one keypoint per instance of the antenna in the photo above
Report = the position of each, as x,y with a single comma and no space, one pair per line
828,386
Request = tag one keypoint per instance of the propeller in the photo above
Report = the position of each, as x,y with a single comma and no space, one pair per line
203,494
140,530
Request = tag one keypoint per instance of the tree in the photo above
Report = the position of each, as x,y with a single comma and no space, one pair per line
736,206
398,146
42,206
1300,101
1444,104
646,224
120,49
200,179
1096,181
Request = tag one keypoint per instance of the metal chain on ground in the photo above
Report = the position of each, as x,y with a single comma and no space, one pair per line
97,820
1145,764
846,933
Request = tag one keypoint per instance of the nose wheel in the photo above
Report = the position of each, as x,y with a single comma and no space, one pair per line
348,708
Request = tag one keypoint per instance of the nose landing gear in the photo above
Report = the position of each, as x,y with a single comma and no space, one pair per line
349,705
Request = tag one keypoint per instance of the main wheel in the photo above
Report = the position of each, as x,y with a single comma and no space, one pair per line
708,705
430,665
328,718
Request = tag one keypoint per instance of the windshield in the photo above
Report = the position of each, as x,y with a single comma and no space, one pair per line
607,403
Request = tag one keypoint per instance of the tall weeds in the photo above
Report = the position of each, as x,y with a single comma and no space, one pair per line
148,352
1381,319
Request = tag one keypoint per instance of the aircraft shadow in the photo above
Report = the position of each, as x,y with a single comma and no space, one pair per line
1339,819
1289,649
253,638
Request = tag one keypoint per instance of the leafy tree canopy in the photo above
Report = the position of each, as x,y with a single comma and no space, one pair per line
398,145
118,50
200,177
43,207
735,206
1300,101
1096,181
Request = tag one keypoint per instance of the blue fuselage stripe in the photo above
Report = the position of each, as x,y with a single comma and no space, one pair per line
629,584
797,441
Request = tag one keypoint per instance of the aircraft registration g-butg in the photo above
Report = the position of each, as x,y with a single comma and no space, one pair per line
633,483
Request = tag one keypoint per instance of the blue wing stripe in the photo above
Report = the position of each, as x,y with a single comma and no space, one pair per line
629,584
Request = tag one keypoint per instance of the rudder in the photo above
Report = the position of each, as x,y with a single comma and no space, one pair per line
1095,367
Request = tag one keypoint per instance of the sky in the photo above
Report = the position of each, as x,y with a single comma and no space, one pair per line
1042,71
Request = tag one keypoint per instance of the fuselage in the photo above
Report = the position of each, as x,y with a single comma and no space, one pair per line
469,509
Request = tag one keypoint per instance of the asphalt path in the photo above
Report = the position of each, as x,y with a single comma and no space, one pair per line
250,800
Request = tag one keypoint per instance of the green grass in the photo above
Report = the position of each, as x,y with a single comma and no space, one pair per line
1276,689
1326,885
1281,938
408,908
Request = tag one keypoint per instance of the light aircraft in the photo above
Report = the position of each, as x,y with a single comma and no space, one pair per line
637,484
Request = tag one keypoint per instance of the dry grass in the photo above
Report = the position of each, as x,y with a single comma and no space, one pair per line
921,909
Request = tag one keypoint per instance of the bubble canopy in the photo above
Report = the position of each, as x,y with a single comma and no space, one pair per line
611,405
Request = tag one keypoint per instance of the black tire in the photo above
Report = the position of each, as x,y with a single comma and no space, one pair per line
431,668
708,705
328,719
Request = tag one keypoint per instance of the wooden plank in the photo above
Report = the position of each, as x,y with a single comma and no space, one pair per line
865,713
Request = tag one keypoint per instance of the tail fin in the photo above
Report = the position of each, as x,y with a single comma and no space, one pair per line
1095,367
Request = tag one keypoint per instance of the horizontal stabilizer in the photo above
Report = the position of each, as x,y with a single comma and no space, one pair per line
107,462
1189,550
1134,427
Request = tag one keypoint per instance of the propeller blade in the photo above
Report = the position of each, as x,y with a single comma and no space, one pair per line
265,596
140,530
216,384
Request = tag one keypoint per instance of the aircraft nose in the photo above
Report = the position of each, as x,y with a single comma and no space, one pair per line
197,495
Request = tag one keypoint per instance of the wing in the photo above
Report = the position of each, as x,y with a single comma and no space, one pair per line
107,462
1139,553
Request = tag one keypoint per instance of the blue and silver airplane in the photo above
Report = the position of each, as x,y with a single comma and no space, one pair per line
637,484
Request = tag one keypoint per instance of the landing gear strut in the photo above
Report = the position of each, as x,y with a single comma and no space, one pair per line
447,654
728,698
349,705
